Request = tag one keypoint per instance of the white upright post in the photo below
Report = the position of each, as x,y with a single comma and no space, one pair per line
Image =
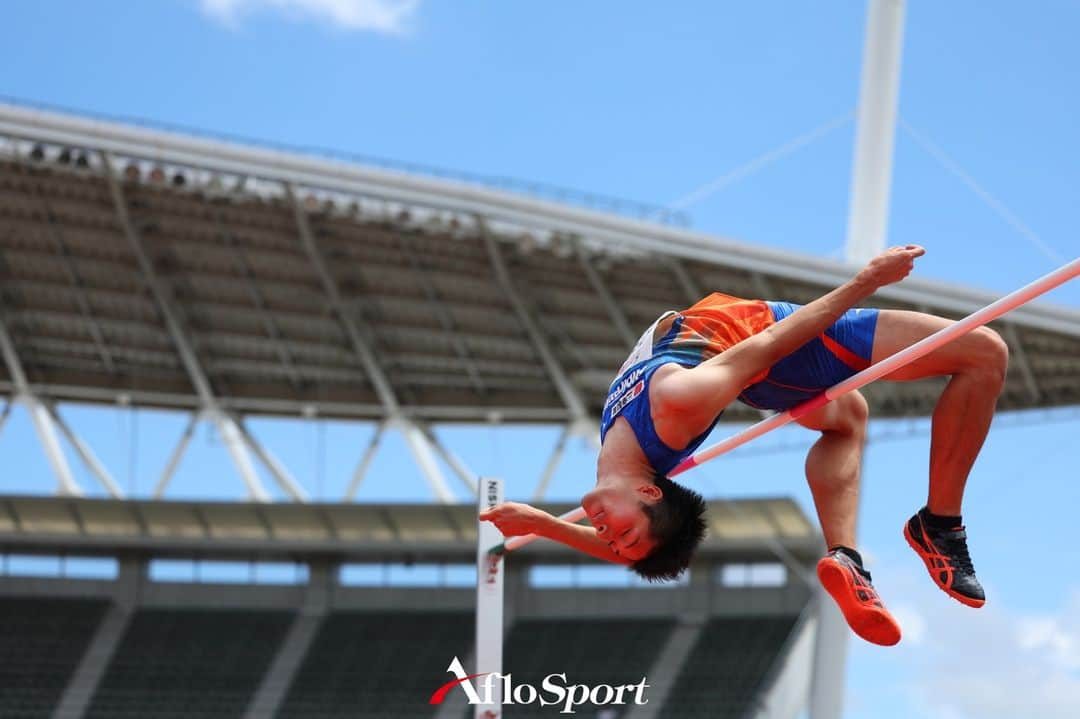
490,568
826,700
875,135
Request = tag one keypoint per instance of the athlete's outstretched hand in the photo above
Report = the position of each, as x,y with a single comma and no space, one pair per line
892,265
514,518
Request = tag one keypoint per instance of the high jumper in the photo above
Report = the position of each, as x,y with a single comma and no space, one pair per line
689,365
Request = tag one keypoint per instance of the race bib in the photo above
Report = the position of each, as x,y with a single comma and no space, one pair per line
644,347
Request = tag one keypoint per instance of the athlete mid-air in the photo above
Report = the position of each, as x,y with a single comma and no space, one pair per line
689,365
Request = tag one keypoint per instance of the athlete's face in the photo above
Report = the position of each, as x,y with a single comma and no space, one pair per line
616,513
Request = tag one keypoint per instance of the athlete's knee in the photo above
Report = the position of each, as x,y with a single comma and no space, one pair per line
852,414
858,411
990,355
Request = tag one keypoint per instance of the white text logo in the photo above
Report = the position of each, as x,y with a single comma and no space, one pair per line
554,690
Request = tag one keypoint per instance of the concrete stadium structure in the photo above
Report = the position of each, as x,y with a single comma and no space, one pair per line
128,633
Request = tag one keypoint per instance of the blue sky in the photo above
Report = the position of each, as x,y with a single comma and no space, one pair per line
650,102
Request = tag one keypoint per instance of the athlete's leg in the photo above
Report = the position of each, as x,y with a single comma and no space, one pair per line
976,363
832,466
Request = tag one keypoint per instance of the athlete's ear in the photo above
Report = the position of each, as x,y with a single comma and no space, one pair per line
650,493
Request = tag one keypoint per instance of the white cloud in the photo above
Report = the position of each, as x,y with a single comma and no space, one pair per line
1049,634
991,663
997,662
383,16
911,620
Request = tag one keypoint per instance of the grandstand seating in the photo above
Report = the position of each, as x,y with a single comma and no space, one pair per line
180,663
208,663
377,665
726,667
41,643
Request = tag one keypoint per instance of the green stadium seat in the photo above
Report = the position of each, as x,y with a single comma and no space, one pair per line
176,664
725,669
377,665
41,643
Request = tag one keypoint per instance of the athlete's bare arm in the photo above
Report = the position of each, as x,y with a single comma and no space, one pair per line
699,394
514,519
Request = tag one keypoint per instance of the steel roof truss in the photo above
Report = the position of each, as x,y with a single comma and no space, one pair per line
234,443
423,454
44,425
763,286
395,190
552,463
1020,355
46,431
570,396
161,295
80,289
418,443
445,319
689,285
176,455
284,479
230,433
606,297
8,404
365,462
466,475
378,379
269,325
85,454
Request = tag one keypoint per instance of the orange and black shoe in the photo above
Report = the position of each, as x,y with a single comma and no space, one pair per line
849,585
945,554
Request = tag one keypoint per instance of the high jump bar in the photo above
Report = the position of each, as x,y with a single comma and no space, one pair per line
904,357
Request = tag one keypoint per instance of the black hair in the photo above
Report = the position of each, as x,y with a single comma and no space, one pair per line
677,524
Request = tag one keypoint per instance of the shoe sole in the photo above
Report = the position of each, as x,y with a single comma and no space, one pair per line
966,601
873,624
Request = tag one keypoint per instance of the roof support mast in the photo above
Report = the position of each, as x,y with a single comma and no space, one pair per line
875,134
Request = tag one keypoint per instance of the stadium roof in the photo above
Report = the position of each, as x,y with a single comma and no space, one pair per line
199,271
342,532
